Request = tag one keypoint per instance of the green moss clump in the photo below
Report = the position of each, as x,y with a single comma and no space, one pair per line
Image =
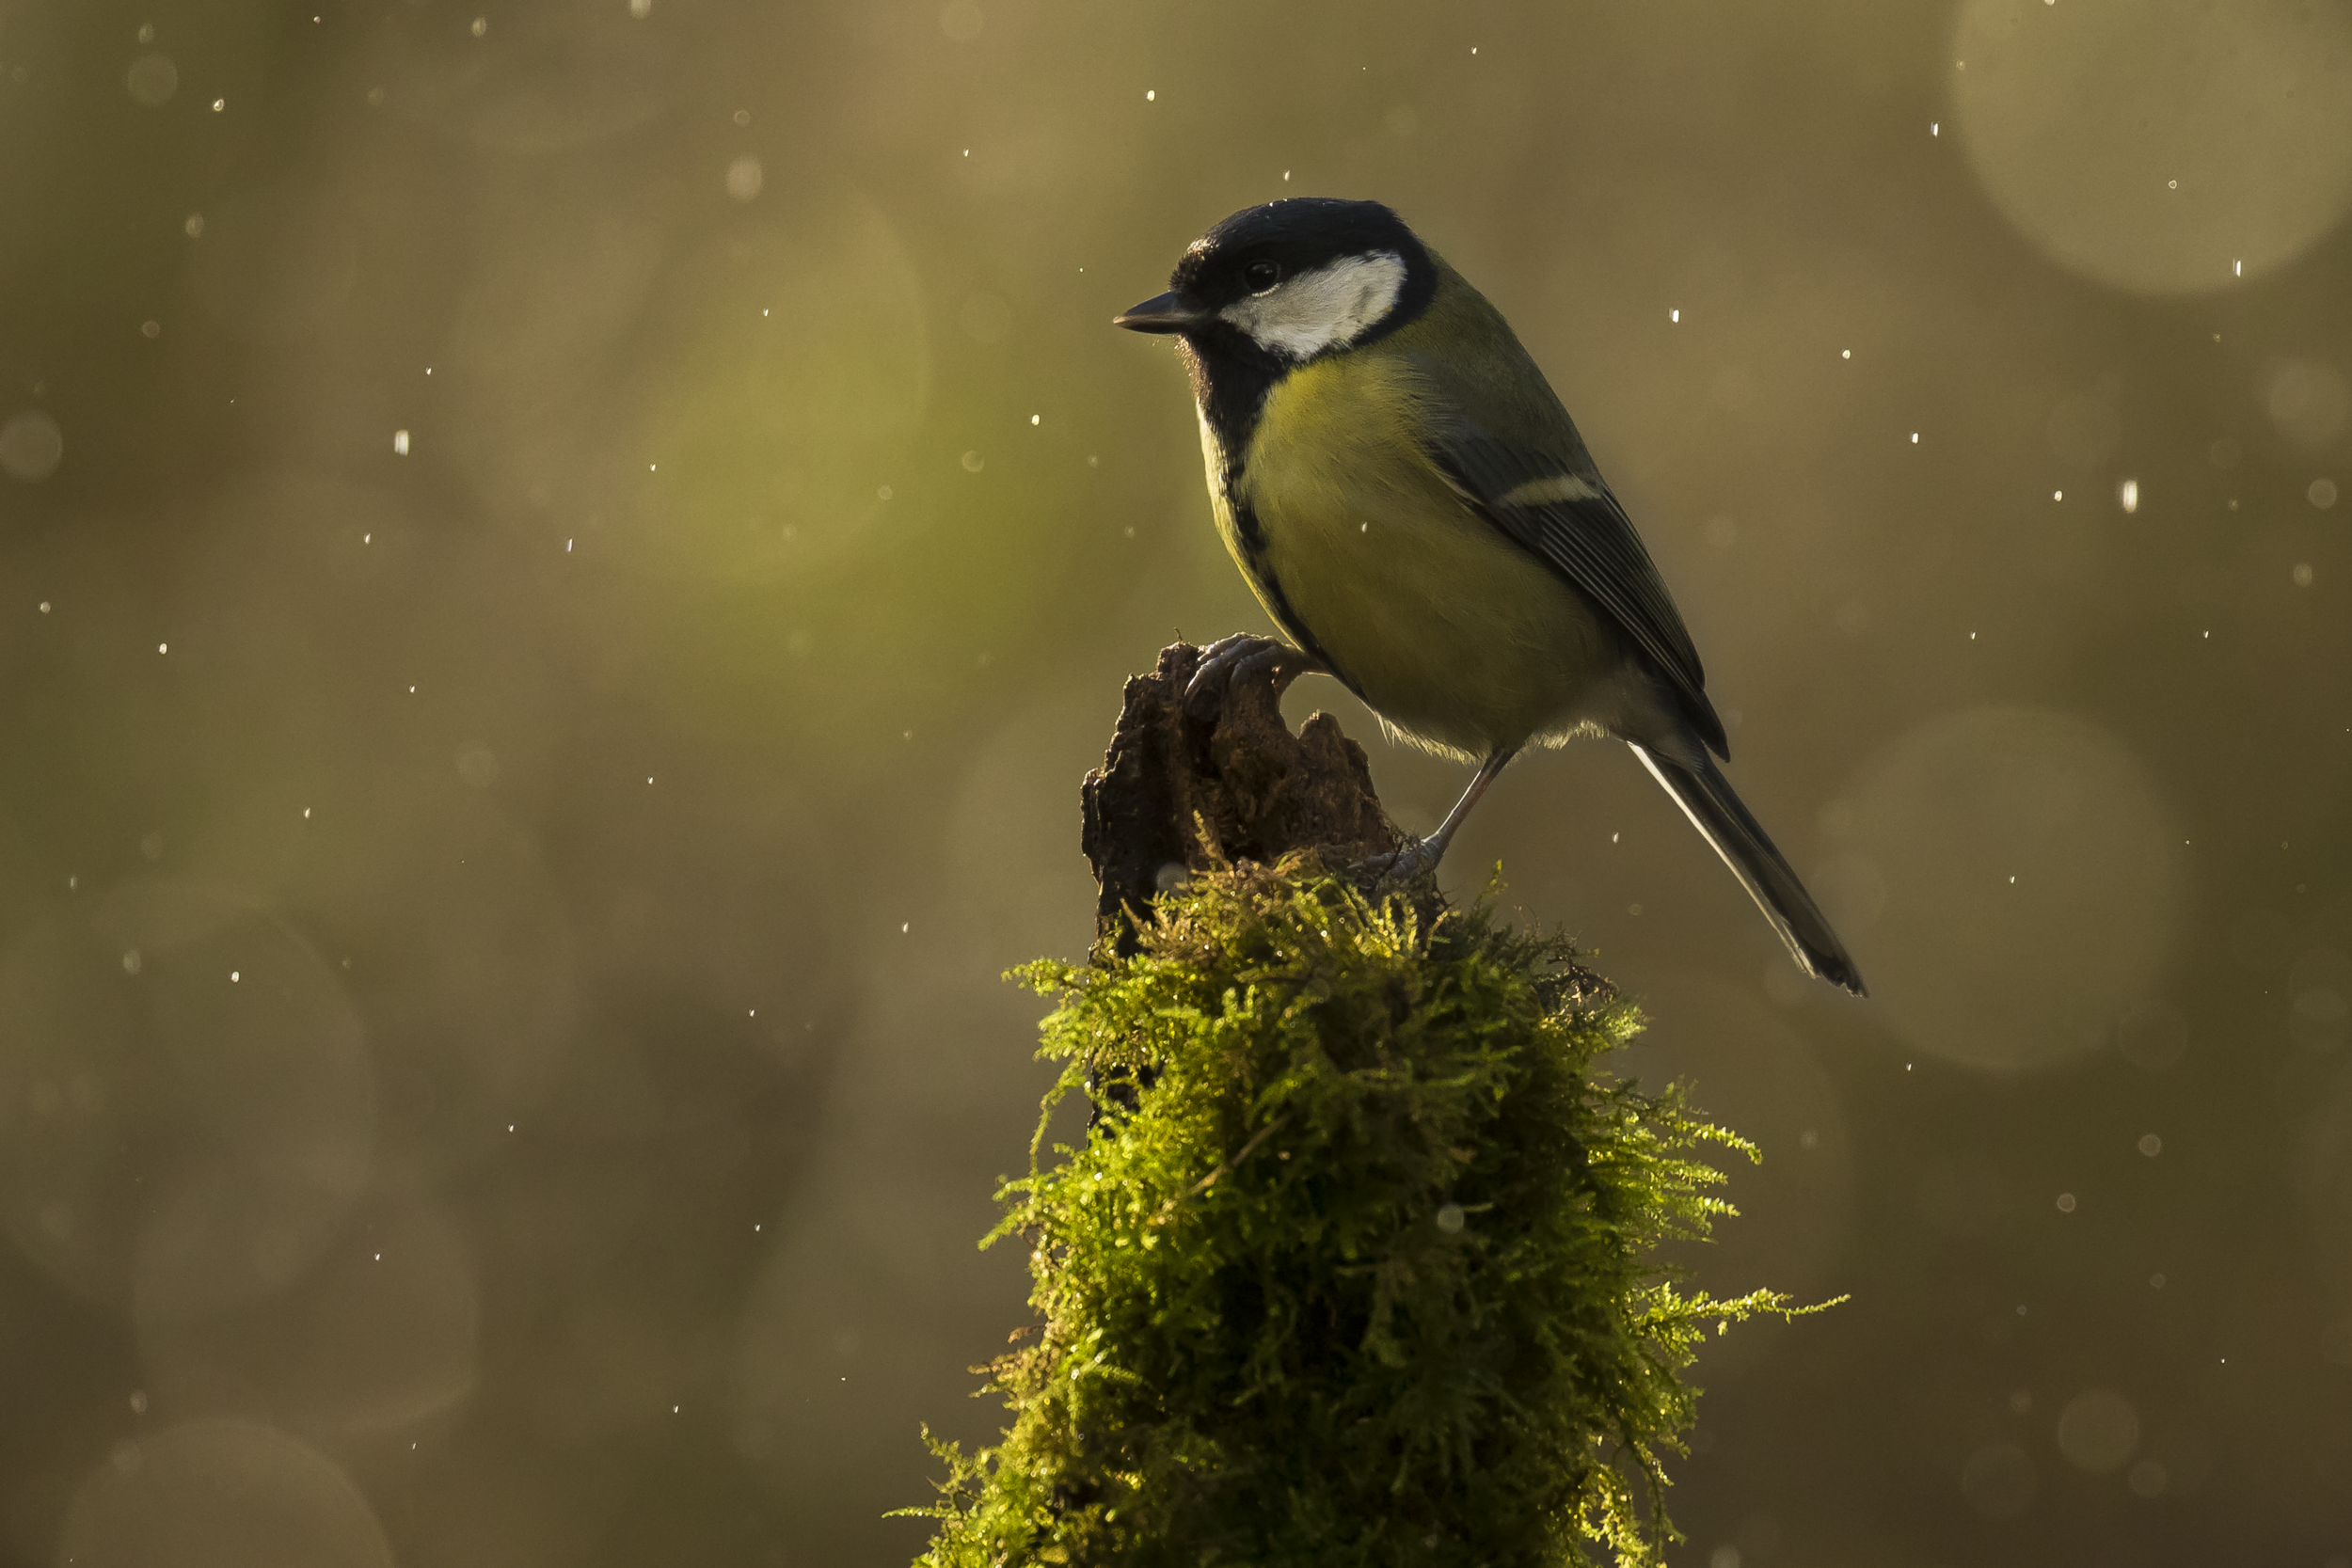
1364,1276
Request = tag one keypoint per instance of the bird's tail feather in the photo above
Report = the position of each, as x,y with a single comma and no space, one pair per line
1714,808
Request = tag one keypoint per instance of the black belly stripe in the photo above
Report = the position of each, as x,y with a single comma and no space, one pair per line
1244,518
1253,536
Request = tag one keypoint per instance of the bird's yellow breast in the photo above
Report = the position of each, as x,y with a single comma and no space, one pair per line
1458,638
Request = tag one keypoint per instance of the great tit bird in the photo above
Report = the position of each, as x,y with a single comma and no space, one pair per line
1417,513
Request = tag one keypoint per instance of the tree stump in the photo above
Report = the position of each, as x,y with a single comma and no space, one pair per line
1178,794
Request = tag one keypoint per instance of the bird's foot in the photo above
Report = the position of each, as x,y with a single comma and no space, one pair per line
1408,864
1244,656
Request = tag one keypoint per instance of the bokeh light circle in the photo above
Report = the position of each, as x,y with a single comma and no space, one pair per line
2032,883
2159,146
793,360
31,446
221,1493
382,1333
2098,1432
169,1135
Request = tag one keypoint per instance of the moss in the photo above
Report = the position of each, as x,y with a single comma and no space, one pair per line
1362,1274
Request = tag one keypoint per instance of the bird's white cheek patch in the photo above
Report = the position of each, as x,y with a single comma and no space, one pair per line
1331,306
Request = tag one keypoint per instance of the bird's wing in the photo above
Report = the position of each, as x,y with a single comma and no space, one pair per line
1554,504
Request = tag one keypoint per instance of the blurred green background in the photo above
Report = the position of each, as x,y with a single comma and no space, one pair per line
561,565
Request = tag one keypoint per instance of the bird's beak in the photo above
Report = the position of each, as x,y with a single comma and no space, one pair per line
1168,313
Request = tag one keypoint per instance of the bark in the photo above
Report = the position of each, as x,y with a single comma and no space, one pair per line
1178,794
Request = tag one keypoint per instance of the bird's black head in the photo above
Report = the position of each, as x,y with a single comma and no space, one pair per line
1284,283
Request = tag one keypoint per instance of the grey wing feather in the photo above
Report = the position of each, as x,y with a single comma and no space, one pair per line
1558,508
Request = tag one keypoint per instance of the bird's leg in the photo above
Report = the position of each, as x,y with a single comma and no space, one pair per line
1421,857
1244,656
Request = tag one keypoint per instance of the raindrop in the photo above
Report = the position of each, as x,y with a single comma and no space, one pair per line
2127,495
400,442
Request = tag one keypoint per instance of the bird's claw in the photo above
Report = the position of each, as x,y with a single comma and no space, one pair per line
1406,863
1243,656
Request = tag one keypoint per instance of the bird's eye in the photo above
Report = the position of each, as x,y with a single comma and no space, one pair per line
1262,275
